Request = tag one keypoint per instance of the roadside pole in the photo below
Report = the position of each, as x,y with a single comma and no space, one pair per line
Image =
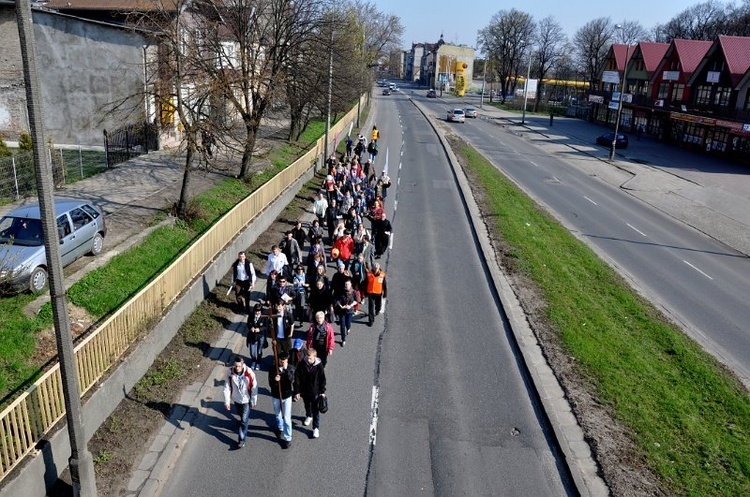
81,462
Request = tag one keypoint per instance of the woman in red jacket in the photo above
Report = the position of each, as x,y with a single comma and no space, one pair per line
320,337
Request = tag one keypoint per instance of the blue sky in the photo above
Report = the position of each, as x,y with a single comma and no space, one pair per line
459,21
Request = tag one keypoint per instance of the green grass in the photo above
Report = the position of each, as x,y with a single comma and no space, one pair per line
689,419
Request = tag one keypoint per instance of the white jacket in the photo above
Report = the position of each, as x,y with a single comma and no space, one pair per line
240,388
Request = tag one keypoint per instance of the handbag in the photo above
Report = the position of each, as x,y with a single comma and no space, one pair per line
322,404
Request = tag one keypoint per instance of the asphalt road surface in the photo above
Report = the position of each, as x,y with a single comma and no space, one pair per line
700,282
432,400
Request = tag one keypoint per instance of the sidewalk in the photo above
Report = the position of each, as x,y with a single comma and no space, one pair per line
707,193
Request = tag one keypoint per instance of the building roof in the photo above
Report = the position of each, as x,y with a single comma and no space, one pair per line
620,51
690,53
736,51
653,53
111,5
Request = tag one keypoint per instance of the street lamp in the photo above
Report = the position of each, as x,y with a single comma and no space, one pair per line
526,86
619,101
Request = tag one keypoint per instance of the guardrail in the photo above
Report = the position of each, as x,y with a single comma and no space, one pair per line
28,418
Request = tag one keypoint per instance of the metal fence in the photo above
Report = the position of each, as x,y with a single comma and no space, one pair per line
26,420
18,177
130,141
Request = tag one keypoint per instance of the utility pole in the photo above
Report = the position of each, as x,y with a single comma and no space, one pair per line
81,462
622,97
526,87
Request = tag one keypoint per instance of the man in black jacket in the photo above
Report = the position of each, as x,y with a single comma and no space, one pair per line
282,381
243,276
311,378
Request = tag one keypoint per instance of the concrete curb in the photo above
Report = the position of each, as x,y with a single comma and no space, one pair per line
578,456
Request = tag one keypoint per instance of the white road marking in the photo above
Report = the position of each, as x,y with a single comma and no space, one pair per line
390,245
395,205
704,274
374,415
636,230
398,182
533,164
590,200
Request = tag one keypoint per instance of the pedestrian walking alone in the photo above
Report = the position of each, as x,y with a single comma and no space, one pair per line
282,382
377,290
241,389
311,380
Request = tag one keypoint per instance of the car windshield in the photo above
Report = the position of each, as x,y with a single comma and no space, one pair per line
21,231
458,111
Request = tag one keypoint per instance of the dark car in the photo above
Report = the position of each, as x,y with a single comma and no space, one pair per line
432,94
606,140
387,91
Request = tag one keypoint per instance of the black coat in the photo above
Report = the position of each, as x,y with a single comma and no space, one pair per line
311,379
288,383
262,323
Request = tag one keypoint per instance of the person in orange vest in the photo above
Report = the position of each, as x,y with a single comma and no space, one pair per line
377,291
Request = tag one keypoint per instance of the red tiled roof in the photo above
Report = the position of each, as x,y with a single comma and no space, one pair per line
620,51
691,53
736,51
653,53
111,5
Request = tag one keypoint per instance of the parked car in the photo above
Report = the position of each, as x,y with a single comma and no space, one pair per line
387,91
470,112
456,115
431,94
81,228
606,140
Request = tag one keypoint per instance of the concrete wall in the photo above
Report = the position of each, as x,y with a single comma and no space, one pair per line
42,470
85,69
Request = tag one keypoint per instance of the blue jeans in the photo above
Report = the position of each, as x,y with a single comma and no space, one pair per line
244,411
283,410
346,323
256,351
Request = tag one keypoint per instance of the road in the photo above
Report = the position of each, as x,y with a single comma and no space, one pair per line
456,414
700,282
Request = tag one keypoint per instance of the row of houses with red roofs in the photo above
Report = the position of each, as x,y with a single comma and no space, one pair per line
689,92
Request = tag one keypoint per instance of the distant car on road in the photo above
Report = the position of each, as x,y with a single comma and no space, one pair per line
470,112
23,261
456,116
387,91
606,140
431,94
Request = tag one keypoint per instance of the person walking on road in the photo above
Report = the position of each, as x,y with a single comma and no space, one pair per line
241,388
282,382
277,261
377,291
320,337
311,379
345,309
243,275
282,328
319,207
257,331
381,230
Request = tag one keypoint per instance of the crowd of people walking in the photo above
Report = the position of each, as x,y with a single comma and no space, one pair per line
297,308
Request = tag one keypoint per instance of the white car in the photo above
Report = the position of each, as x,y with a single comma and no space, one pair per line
456,116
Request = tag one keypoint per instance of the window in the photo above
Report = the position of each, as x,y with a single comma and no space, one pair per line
721,97
663,90
79,218
703,95
677,91
747,100
63,226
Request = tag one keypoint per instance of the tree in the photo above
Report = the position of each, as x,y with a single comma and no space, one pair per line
631,32
505,40
738,19
24,142
703,21
592,43
550,43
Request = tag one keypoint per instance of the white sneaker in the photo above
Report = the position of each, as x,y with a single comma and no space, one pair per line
316,433
307,421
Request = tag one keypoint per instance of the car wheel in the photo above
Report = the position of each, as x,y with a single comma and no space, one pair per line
97,244
38,280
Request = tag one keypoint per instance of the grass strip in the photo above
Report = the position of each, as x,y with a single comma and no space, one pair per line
689,418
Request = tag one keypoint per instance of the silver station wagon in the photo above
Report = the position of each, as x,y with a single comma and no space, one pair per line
23,263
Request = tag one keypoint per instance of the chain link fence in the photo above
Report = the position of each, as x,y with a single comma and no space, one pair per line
18,177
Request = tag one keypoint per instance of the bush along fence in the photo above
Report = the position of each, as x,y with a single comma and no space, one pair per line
25,421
